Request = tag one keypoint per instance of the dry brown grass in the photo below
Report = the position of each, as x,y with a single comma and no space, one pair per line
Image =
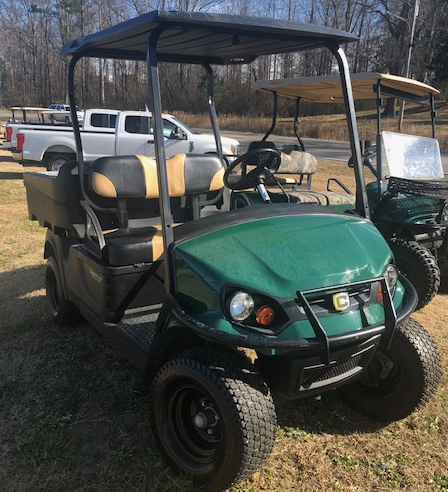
73,413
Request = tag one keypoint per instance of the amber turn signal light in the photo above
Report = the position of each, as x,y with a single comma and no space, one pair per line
265,315
380,294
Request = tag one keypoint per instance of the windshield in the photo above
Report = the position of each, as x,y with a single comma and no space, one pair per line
181,123
411,157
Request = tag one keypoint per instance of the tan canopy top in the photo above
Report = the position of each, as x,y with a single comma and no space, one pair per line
327,89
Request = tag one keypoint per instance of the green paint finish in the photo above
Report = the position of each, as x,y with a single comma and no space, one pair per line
196,292
405,208
280,255
336,324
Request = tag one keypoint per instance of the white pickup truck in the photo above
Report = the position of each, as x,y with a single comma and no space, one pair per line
133,135
94,120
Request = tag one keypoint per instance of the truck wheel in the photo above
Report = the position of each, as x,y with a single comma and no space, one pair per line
402,377
212,416
62,310
418,264
55,161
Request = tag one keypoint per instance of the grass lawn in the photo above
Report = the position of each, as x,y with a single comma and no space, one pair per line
74,414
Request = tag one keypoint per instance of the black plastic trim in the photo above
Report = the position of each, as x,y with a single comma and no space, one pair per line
262,342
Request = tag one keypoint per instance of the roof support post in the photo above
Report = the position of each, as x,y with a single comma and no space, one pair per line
379,153
216,132
212,109
296,124
71,97
274,116
162,176
362,205
433,116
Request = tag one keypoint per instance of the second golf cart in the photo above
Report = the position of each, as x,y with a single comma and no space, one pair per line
407,200
139,248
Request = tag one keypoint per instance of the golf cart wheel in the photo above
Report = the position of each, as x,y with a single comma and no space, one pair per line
418,264
212,416
402,377
442,261
62,310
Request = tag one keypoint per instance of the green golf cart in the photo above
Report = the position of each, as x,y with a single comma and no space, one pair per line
149,253
407,200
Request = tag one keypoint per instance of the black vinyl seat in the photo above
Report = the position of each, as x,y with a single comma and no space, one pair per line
124,234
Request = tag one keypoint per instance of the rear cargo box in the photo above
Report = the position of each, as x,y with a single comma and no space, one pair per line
53,200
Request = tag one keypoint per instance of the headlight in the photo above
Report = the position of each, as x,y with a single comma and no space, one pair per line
241,306
391,276
235,149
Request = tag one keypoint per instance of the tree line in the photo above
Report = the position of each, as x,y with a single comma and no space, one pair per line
33,73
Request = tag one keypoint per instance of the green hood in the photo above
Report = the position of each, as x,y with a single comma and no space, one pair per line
280,255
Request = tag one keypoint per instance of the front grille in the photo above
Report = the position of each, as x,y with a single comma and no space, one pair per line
358,295
435,189
322,374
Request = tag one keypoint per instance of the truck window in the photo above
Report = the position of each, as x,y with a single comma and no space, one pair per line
137,124
99,120
169,129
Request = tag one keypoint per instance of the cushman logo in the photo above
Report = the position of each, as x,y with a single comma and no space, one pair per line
341,301
95,276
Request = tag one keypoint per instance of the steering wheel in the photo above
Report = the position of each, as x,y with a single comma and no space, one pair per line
367,159
266,162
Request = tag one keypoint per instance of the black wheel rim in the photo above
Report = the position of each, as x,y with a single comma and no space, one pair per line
191,426
389,375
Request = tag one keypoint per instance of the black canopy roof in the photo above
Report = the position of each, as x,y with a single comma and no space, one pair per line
198,37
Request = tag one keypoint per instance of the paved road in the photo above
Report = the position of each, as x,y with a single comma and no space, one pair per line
322,149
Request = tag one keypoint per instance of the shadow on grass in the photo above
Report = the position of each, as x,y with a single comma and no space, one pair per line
75,414
8,158
326,414
22,294
7,176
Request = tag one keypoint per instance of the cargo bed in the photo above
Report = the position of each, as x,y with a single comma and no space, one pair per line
54,200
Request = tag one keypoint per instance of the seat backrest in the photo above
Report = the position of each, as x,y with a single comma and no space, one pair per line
297,162
135,176
260,144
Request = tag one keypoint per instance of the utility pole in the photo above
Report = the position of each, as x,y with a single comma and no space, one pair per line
408,59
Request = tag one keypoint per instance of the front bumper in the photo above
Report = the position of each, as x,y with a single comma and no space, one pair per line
321,341
299,367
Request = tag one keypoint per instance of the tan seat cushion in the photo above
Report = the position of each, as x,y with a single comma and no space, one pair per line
323,198
297,162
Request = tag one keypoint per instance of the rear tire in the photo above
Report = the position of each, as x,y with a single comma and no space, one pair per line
418,264
54,162
402,377
212,416
62,310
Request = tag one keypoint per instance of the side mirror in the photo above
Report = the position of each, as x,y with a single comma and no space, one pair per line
179,134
